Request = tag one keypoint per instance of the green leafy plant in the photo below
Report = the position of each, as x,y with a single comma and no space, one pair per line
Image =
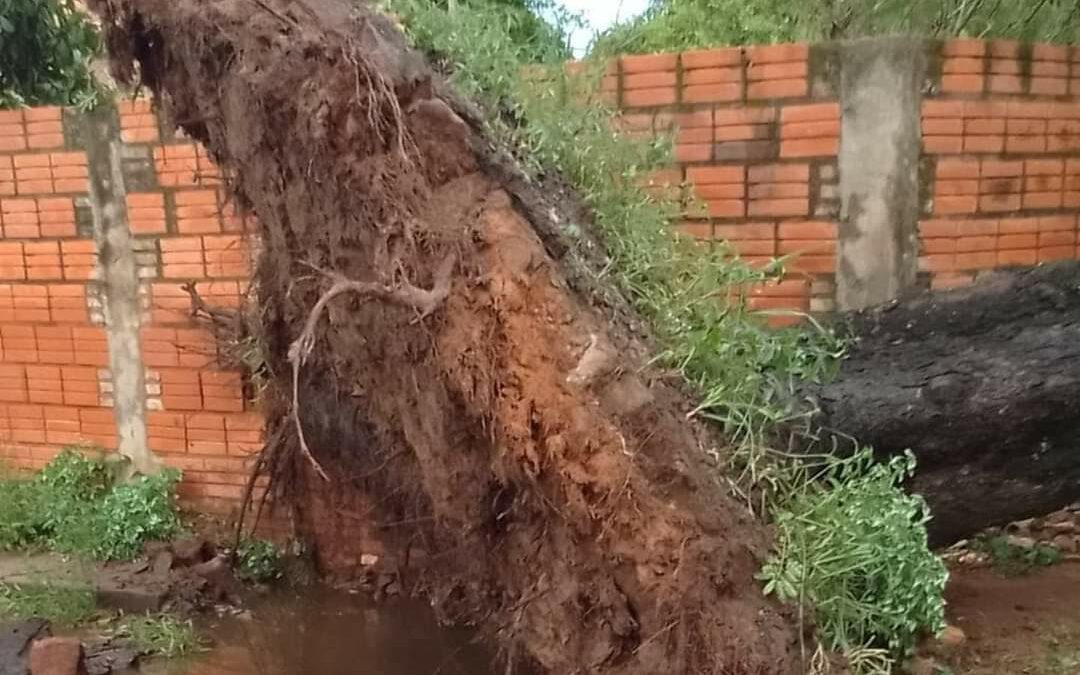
71,506
161,635
850,546
258,560
694,298
45,51
1015,560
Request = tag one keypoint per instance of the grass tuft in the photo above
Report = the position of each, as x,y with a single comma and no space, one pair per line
161,635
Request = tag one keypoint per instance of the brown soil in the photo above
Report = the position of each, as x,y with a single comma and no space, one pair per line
1014,625
514,435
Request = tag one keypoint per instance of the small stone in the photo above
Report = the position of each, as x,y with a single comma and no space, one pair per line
369,560
56,656
1064,527
1020,542
952,638
969,558
1065,543
1059,517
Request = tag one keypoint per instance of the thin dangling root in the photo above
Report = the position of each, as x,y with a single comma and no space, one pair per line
423,301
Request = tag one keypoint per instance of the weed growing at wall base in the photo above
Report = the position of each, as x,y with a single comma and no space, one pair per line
73,506
869,540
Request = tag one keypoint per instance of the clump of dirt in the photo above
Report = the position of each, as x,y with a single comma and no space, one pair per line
431,367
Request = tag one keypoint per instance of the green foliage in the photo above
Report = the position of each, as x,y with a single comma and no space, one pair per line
745,372
45,51
258,561
61,605
687,24
161,635
72,506
853,547
1013,560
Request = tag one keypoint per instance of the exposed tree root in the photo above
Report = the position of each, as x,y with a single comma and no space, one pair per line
405,294
519,438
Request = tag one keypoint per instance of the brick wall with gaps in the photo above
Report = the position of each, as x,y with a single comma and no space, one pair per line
1001,159
756,139
757,133
55,384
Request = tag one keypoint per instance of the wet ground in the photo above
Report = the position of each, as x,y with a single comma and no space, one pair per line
328,632
1027,625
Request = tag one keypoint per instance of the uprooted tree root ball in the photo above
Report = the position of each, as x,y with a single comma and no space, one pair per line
492,411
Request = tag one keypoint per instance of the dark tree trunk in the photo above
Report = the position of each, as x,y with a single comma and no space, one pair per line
983,385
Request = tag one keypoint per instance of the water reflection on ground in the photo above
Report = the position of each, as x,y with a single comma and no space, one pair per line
323,632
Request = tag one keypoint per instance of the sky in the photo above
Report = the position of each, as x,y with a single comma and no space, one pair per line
601,14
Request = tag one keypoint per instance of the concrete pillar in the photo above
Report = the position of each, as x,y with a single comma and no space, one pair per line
116,260
881,82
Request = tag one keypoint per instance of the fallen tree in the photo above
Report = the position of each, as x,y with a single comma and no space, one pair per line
982,384
471,376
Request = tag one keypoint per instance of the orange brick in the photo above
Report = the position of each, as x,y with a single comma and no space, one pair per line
1018,226
948,281
648,63
1049,86
962,84
943,145
956,187
709,58
810,147
1025,144
648,98
706,93
712,76
942,126
998,169
956,204
976,261
777,53
1000,202
651,80
1017,257
771,89
48,140
706,175
978,144
964,47
694,152
779,173
779,207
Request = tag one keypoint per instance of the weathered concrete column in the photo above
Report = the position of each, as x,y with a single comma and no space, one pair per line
116,260
881,83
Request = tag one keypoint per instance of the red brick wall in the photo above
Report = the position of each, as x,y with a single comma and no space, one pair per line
757,137
55,386
756,143
1001,168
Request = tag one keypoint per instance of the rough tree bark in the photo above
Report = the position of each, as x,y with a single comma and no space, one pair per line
502,417
983,385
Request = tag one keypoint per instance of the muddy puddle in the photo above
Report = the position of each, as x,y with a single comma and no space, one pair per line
332,633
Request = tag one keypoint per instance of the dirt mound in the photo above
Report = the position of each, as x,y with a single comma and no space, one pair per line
482,407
